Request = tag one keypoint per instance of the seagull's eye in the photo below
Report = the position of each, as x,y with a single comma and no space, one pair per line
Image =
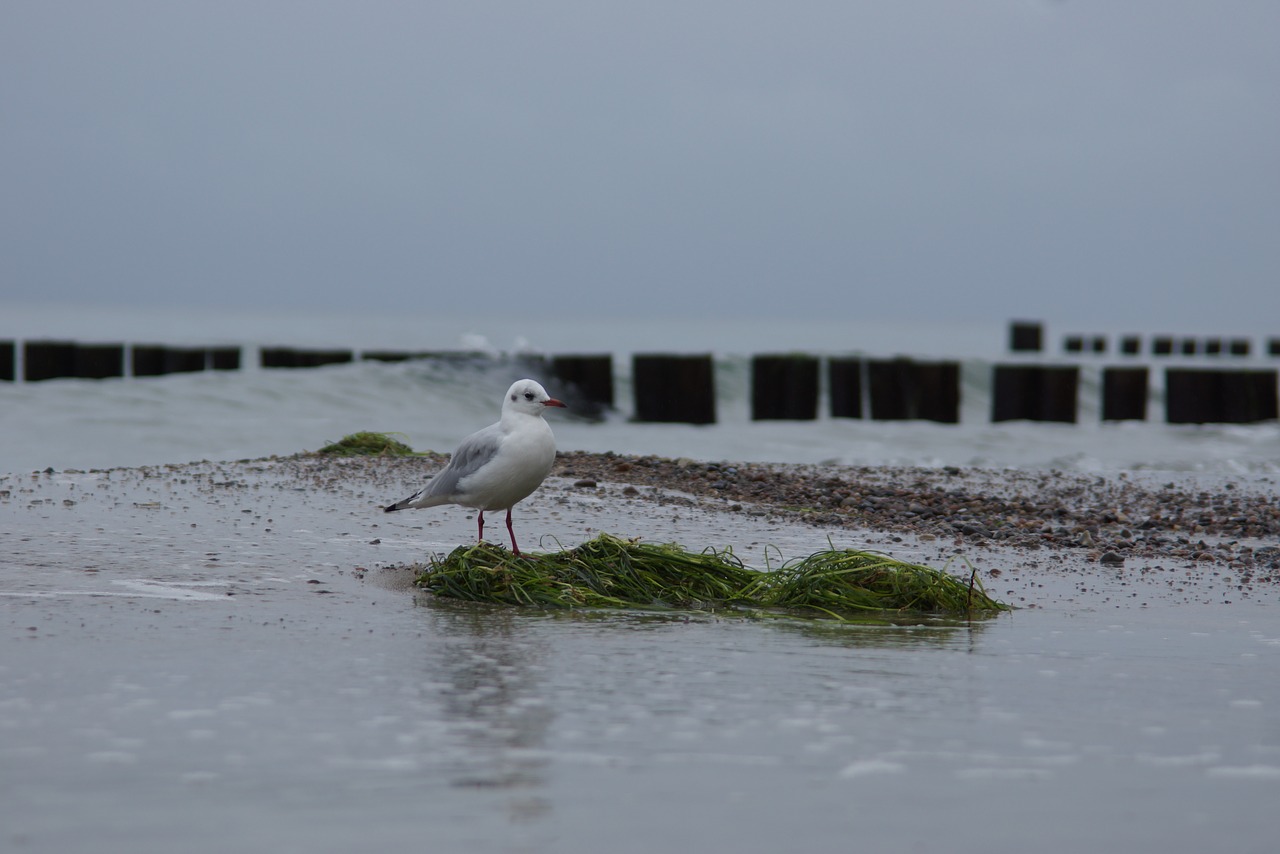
528,395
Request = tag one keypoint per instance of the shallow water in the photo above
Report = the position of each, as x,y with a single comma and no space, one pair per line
214,658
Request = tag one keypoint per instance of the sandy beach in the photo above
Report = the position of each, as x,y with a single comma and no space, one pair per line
998,519
223,655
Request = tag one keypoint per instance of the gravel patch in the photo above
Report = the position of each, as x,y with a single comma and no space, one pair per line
1112,518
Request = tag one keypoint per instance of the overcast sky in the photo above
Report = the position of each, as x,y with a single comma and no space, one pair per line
1094,162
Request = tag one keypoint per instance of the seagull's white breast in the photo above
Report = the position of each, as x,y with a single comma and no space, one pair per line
524,459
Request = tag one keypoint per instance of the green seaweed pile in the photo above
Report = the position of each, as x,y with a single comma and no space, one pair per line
609,572
367,444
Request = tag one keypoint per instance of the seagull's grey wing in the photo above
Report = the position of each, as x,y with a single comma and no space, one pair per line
475,451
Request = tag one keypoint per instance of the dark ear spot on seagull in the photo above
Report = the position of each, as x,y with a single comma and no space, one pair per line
499,466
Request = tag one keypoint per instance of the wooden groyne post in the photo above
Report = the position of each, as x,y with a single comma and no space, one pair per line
47,360
1124,394
844,380
1213,396
904,389
1035,393
291,357
155,360
586,381
674,388
224,358
1079,344
784,387
1026,336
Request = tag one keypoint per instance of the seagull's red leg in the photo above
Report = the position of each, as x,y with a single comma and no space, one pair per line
480,538
515,550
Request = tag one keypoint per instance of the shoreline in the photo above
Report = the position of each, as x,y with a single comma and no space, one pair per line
1106,519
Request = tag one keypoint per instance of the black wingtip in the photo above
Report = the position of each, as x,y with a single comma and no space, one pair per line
390,508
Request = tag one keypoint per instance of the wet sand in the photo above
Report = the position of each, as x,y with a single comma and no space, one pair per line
1213,526
215,656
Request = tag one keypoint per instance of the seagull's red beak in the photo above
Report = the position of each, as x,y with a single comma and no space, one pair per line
551,401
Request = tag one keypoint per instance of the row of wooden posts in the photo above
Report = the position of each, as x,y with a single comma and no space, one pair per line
681,388
1027,336
785,387
49,360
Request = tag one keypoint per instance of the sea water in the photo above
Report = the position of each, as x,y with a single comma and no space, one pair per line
214,657
255,412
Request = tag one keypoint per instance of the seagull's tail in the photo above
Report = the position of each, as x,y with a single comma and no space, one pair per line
402,505
418,499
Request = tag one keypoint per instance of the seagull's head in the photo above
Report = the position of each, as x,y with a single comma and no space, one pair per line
529,397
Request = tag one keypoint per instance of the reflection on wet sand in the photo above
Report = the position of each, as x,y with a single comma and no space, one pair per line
490,680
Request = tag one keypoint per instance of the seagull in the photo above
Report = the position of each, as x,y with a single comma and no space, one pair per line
499,466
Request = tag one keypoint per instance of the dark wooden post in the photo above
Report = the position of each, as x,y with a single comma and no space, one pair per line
890,389
1026,336
1131,345
224,358
185,360
147,360
151,360
278,357
1249,396
8,361
584,382
99,361
1162,345
47,360
1192,396
1124,394
784,387
1035,393
290,357
904,389
671,388
937,386
1079,344
1209,396
844,378
386,355
320,358
1239,347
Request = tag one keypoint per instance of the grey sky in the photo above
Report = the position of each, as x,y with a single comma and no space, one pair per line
1103,163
